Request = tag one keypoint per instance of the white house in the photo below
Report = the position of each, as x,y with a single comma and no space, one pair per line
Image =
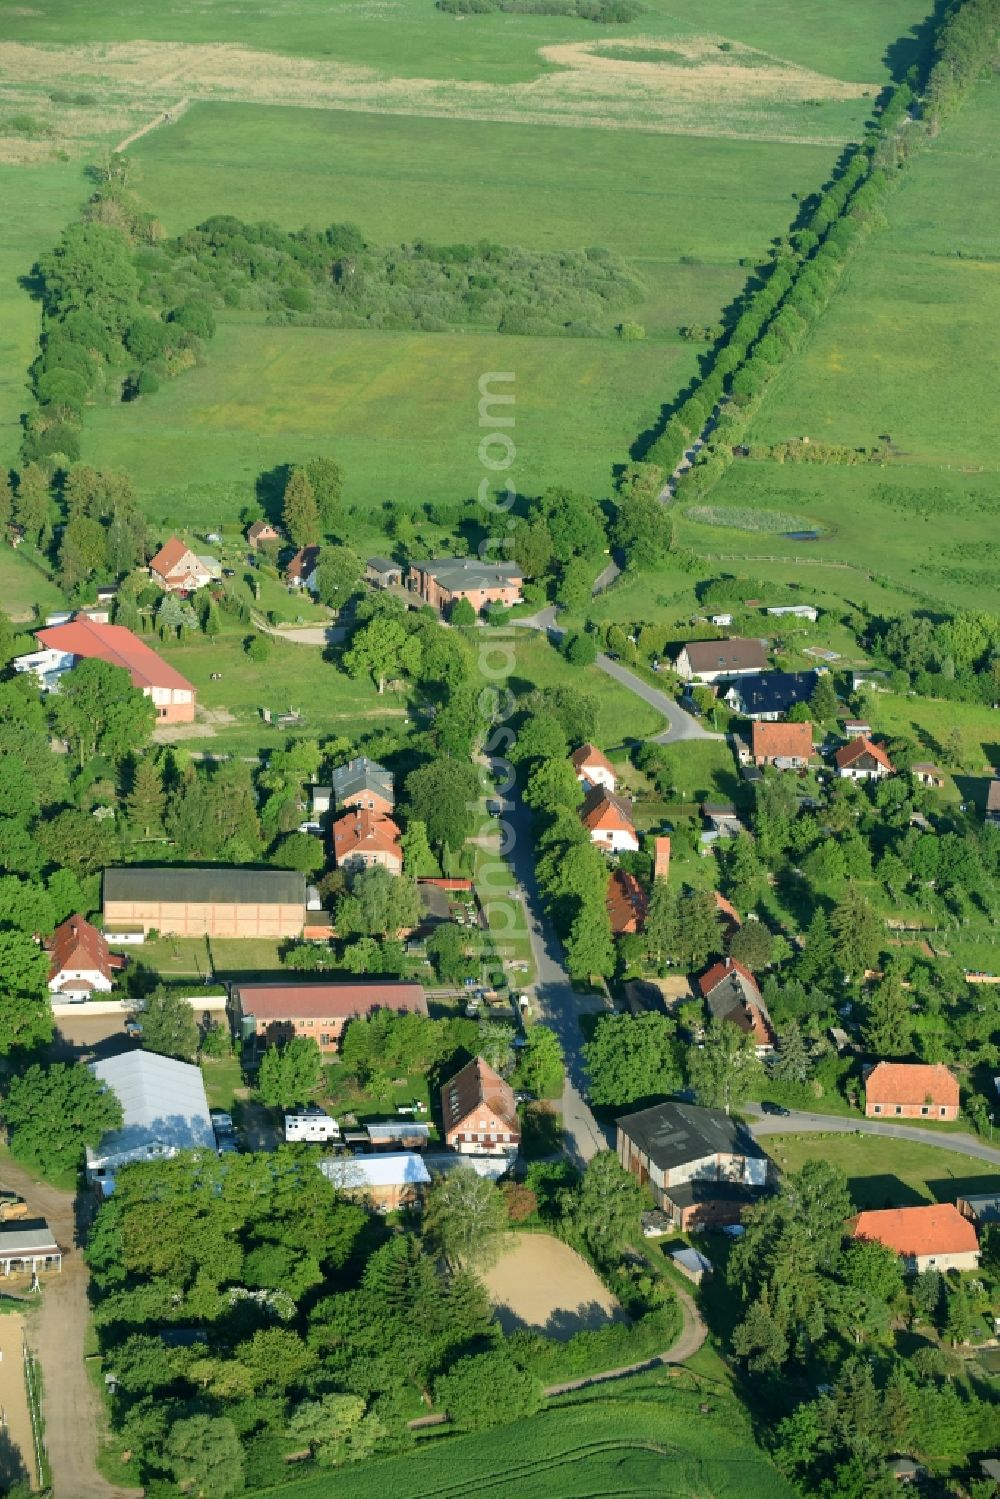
593,768
862,759
718,660
80,964
608,820
164,1111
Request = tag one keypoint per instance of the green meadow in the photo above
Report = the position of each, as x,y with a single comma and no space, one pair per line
400,410
907,347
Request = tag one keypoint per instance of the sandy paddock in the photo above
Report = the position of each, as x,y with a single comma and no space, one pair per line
17,1451
539,1282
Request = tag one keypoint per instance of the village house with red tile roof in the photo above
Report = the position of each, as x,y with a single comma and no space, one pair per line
478,1112
911,1090
83,639
730,991
177,569
786,746
608,820
862,759
362,839
935,1237
79,961
626,902
593,768
300,569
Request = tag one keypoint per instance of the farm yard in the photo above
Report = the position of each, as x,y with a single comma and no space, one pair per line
540,1283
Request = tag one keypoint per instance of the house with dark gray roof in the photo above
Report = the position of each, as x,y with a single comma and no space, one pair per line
204,900
771,695
444,580
360,783
703,1167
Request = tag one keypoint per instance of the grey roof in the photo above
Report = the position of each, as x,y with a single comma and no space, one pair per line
33,1235
384,565
773,691
689,1194
205,883
163,1103
672,1134
361,774
469,572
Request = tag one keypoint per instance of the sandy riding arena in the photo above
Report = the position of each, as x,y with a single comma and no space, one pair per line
17,1452
541,1283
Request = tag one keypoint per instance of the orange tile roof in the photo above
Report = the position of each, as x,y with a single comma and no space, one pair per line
167,558
626,902
589,755
77,944
938,1228
113,643
476,1087
849,753
603,810
912,1082
719,972
361,830
782,740
661,857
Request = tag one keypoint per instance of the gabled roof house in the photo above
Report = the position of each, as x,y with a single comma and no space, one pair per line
362,839
478,1112
179,570
862,759
79,961
935,1237
911,1090
714,660
593,768
702,1166
608,820
83,639
786,746
772,694
730,991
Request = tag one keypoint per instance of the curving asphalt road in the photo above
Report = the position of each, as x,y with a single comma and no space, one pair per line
802,1123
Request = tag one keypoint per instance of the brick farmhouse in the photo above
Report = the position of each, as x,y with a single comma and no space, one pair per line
626,902
478,1112
911,1090
363,839
269,1013
205,901
443,581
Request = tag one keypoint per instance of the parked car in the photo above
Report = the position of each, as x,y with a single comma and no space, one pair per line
133,1028
775,1108
222,1122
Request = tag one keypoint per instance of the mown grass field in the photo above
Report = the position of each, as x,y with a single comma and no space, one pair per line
22,586
882,1172
638,1437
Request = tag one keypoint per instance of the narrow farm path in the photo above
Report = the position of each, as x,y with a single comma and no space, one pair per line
802,1123
690,1338
167,117
669,489
70,1404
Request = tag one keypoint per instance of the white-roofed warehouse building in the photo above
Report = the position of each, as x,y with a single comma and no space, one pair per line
165,1111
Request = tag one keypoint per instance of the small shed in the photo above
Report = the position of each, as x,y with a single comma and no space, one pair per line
904,1469
692,1263
382,572
28,1246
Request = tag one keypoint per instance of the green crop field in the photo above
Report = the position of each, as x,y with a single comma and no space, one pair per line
638,1437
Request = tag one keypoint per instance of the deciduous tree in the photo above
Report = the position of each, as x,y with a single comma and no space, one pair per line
631,1057
168,1024
466,1217
290,1074
53,1112
725,1071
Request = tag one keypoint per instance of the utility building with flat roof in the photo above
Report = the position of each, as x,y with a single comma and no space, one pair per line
205,901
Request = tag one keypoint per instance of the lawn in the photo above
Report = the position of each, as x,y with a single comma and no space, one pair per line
641,1436
176,958
223,1082
22,586
883,1172
293,677
621,716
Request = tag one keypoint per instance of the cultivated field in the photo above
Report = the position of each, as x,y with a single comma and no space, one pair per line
540,1283
639,1437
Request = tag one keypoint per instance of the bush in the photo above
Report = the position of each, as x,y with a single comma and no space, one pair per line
257,647
487,1389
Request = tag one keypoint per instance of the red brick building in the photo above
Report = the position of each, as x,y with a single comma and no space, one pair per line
478,1112
911,1090
443,581
276,1012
